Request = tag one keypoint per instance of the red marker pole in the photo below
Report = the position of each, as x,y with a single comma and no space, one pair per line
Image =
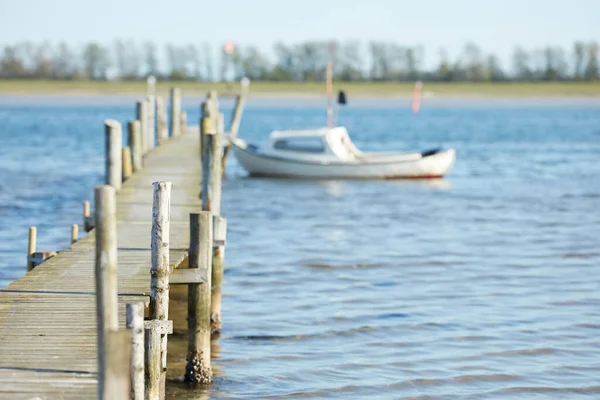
416,103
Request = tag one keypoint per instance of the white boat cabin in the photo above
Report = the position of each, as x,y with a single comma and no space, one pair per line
312,144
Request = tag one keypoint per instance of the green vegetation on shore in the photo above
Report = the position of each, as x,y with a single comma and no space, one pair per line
375,89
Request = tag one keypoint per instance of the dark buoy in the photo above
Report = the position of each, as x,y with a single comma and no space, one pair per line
341,97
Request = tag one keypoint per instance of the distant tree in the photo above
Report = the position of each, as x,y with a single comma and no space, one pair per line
44,66
494,71
193,61
208,61
284,69
591,71
444,72
521,67
176,60
95,61
120,58
351,61
578,54
474,62
63,62
555,64
11,65
134,61
151,58
254,64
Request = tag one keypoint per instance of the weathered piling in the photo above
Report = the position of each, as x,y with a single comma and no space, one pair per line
106,279
114,142
142,117
74,233
88,221
159,282
118,382
161,120
234,126
175,112
135,322
134,130
151,126
183,121
219,237
211,174
198,369
126,162
31,247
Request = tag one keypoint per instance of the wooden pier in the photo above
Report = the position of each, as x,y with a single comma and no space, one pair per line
49,330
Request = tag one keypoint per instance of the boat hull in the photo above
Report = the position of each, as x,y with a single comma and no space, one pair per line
429,167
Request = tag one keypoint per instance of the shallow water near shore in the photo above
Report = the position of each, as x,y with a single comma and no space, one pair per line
482,285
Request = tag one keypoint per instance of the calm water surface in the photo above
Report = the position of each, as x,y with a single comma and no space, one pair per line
484,285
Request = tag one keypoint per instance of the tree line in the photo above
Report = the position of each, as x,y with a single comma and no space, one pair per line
352,61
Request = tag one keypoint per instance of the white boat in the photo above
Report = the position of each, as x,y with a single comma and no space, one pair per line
328,153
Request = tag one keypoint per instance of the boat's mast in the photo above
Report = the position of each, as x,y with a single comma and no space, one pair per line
329,90
329,87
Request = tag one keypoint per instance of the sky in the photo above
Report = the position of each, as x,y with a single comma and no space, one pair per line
497,26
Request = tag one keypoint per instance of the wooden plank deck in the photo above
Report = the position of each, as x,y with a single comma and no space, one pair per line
48,317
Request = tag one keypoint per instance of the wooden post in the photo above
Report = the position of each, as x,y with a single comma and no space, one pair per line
329,90
183,122
198,368
206,127
150,132
114,143
161,111
74,233
106,278
159,282
233,128
118,380
175,111
135,322
88,221
213,99
153,364
134,129
126,161
142,117
211,174
219,236
31,247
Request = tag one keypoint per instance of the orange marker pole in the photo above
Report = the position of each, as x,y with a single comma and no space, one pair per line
416,103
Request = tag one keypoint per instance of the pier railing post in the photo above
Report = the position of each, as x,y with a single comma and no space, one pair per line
219,237
114,143
183,122
142,117
74,233
134,130
234,126
159,284
211,174
106,279
151,135
161,120
135,322
175,111
88,221
198,369
31,247
118,381
126,162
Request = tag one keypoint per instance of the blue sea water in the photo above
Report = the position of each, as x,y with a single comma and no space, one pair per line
483,285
